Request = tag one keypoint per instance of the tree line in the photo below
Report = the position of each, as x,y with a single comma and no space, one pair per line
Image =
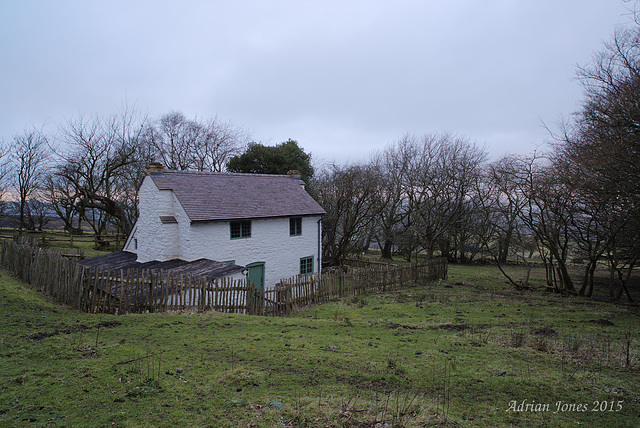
89,171
578,200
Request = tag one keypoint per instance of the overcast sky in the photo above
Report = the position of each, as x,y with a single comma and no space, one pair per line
344,78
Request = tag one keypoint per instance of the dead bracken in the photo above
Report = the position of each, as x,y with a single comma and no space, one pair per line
544,331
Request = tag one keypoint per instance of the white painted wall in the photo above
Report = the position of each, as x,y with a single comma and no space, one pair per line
269,242
132,241
157,241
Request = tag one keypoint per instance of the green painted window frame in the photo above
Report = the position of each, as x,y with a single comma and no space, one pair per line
295,226
240,229
306,265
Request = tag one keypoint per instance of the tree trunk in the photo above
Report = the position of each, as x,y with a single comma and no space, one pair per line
503,245
387,249
587,279
22,207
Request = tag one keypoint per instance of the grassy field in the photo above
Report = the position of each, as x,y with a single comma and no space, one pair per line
470,351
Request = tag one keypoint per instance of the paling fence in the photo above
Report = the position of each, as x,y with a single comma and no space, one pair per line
361,278
104,290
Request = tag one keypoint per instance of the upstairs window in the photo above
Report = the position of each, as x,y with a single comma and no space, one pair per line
240,229
295,226
306,266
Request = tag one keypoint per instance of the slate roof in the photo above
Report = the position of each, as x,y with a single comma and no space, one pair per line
202,267
214,196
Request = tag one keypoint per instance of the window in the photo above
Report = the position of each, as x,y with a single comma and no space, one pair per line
295,226
306,266
240,229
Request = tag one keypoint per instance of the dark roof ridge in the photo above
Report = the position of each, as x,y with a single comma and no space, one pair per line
176,171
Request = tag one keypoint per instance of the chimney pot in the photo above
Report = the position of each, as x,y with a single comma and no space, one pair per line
154,168
295,174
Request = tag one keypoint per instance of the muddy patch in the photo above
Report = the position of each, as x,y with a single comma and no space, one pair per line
108,324
602,322
394,326
63,329
453,327
41,335
73,328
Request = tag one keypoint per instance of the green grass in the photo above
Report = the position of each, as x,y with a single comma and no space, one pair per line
462,352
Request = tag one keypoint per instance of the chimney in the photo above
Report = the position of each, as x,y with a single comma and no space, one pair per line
297,176
154,168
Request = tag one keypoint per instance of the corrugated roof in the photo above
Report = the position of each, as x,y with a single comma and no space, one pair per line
211,196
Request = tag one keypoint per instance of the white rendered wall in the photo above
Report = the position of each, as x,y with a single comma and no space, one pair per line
269,243
157,241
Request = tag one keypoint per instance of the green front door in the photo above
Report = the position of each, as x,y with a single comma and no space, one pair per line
255,276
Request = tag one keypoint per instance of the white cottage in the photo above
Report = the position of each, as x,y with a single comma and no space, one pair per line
266,223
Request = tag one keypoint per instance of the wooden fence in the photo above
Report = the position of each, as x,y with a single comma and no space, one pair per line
366,278
104,290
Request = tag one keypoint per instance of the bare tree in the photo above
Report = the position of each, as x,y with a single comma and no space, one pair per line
502,205
439,180
219,142
37,213
101,153
347,194
5,169
390,224
548,213
466,235
183,144
63,200
29,156
597,152
507,204
175,140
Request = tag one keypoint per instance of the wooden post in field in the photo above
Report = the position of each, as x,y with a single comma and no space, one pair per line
152,285
95,275
120,293
84,289
201,294
136,290
100,292
131,278
183,279
249,300
107,292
